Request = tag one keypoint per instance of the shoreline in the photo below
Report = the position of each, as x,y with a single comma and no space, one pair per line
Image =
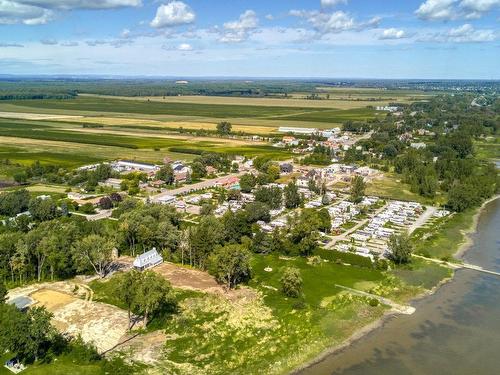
379,323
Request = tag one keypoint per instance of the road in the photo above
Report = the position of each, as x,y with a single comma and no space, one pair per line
205,184
422,219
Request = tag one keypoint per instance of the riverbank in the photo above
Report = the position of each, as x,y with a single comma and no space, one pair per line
462,247
472,229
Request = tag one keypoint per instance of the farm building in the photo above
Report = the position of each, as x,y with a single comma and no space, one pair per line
305,131
149,259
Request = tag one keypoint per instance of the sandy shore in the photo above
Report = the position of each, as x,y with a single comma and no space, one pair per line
361,333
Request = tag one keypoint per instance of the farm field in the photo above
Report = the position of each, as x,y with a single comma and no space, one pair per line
197,112
294,100
70,145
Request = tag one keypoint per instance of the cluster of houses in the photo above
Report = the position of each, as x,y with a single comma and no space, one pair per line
372,238
335,140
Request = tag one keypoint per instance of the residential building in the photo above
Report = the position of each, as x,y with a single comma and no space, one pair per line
147,260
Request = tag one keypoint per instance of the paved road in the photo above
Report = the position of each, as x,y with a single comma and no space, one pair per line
205,184
422,219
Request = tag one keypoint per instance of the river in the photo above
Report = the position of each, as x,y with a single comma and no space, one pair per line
454,331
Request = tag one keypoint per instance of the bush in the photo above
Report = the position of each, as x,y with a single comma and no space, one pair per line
373,302
291,282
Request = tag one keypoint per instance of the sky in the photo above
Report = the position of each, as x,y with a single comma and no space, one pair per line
429,39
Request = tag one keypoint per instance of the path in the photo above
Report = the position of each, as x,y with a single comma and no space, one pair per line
194,187
422,219
459,265
403,309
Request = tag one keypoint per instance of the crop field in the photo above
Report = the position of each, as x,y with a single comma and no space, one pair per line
70,145
295,100
90,105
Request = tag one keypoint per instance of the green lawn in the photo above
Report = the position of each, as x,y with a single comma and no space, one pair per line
445,236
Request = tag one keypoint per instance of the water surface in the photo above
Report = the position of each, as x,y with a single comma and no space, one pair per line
455,331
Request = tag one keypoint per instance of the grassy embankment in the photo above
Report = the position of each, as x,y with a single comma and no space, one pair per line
272,333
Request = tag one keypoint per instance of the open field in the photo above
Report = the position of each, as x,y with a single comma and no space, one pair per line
68,144
200,109
295,100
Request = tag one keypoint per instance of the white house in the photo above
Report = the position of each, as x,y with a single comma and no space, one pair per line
149,259
166,199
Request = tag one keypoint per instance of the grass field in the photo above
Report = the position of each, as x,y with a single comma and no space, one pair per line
69,145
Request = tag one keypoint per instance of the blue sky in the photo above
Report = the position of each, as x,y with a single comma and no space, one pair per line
253,38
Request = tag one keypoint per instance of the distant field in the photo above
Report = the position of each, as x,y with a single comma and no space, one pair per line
190,111
295,100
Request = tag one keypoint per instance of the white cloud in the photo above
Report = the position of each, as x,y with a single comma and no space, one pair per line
185,47
36,12
455,9
462,34
332,3
173,14
335,22
393,33
239,30
14,12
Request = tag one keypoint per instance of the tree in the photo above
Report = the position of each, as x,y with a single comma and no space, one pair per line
230,265
87,208
42,209
105,203
166,173
153,293
14,202
261,243
3,292
272,196
247,182
224,128
400,248
126,292
115,197
95,251
292,196
257,211
199,170
27,335
291,282
357,189
203,239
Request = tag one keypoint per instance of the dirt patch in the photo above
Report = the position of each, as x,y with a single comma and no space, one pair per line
75,314
52,300
35,116
145,348
181,277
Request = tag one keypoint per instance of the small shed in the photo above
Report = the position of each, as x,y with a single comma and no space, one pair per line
149,259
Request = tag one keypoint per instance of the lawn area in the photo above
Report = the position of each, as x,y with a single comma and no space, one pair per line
422,273
390,186
485,150
62,366
443,239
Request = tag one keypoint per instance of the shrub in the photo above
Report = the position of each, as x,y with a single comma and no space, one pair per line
291,282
